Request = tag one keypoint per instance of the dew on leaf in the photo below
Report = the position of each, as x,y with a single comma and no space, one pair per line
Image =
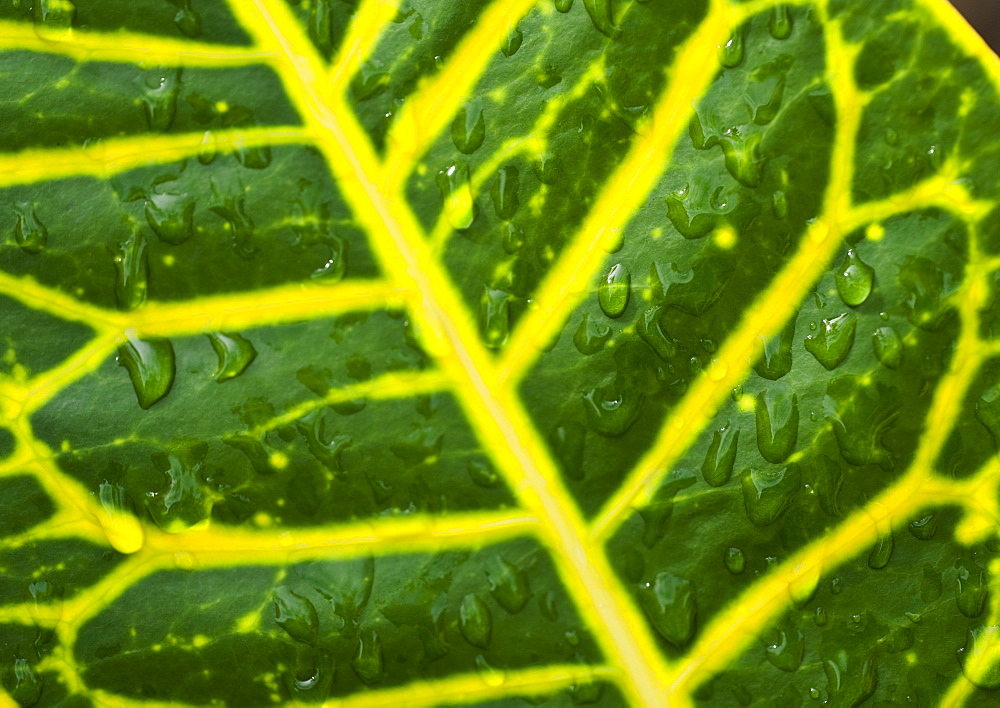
614,290
368,662
512,237
590,336
787,650
456,190
231,206
122,530
971,589
563,5
923,529
419,446
780,23
150,365
657,513
508,584
504,192
322,441
253,157
29,231
767,492
600,12
721,455
980,657
159,96
567,442
688,226
295,614
468,129
187,20
512,42
671,605
731,55
888,346
322,25
208,149
491,675
612,409
735,560
742,158
776,359
854,279
28,684
881,552
132,267
234,352
820,617
475,621
494,317
764,113
369,82
988,412
180,504
924,284
777,416
834,341
649,329
171,216
779,204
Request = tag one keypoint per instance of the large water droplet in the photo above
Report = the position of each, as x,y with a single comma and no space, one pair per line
323,26
881,552
251,156
28,683
368,662
508,584
777,414
971,589
888,346
776,359
854,279
456,190
321,439
468,129
563,5
590,336
186,19
132,267
231,206
657,513
690,227
768,492
614,290
54,14
494,317
159,96
787,650
860,415
834,341
150,365
475,621
612,409
742,157
180,504
731,55
601,14
780,24
235,354
295,614
718,465
988,412
171,216
122,529
735,560
980,657
765,112
513,42
648,327
29,232
924,528
671,605
505,192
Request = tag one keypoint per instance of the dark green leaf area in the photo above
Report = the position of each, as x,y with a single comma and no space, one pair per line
413,47
328,628
48,571
23,504
883,634
52,101
175,19
7,443
526,210
975,438
188,229
915,120
33,341
325,22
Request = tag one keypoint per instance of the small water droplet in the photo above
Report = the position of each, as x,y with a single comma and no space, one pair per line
122,530
251,156
820,617
235,354
231,206
776,359
768,492
186,19
834,341
648,327
735,560
29,232
322,26
590,336
924,528
512,237
971,589
295,614
888,346
54,14
567,440
732,51
170,216
468,129
764,113
980,657
563,5
368,662
132,267
508,585
456,190
611,410
671,605
513,42
504,192
369,82
742,158
27,689
209,148
150,365
854,279
718,465
491,675
614,290
777,415
988,412
475,621
881,552
780,24
690,227
494,317
159,96
787,650
779,204
483,474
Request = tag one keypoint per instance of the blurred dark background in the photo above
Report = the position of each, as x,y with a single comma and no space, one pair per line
984,15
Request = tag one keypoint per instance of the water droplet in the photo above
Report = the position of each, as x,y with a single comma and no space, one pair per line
591,336
468,129
508,585
602,16
491,675
881,552
295,614
768,492
742,158
483,474
564,5
732,51
860,414
369,82
231,206
988,412
150,365
670,603
779,204
170,216
29,232
159,96
924,528
419,446
253,157
323,443
180,504
690,227
27,683
120,527
648,327
612,409
548,169
735,560
657,513
505,192
764,113
614,290
777,414
971,589
494,317
888,346
776,359
209,148
780,24
368,662
718,465
187,20
322,26
821,618
924,283
475,621
787,650
567,440
456,190
980,657
55,14
133,272
854,279
585,692
834,341
512,237
235,354
513,42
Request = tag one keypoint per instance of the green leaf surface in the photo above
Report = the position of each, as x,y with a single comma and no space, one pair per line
496,353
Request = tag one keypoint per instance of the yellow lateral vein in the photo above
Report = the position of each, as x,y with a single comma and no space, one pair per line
367,24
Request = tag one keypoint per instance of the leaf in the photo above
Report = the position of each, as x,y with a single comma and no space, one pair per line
426,353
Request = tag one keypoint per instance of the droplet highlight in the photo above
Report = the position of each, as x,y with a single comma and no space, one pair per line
854,279
151,367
